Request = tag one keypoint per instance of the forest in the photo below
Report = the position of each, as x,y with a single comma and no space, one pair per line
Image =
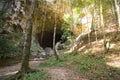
59,39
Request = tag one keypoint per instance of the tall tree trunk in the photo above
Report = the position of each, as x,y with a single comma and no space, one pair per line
94,21
54,48
103,27
28,38
44,20
54,34
88,25
117,12
102,19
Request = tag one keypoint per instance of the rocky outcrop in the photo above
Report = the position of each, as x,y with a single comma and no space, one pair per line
10,28
44,22
43,54
11,13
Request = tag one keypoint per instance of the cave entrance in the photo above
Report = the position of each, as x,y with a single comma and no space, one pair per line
47,40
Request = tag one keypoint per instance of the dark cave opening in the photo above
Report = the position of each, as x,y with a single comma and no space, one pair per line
47,40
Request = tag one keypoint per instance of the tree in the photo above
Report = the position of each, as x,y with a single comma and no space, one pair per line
117,12
54,35
54,47
28,38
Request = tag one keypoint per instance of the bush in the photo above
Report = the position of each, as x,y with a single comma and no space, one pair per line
10,45
66,28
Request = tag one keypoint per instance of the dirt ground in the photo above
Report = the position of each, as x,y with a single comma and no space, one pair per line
63,73
56,73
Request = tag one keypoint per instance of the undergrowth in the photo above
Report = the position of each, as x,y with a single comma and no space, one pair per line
91,65
53,62
11,45
41,75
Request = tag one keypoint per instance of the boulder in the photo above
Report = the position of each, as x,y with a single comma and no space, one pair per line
44,54
49,51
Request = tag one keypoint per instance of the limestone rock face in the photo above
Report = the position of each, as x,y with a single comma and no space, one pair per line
44,22
83,26
11,14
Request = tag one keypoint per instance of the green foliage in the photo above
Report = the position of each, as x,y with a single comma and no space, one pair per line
53,62
85,62
93,66
66,34
41,75
81,3
66,28
10,45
